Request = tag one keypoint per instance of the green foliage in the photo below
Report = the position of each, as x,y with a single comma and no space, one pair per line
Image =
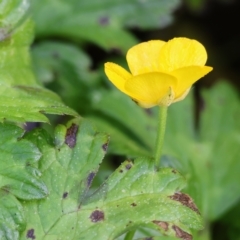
19,178
45,180
221,127
126,139
100,22
18,157
213,151
12,219
22,99
68,168
66,69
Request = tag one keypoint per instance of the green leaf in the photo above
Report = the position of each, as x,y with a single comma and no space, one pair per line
68,168
12,219
12,14
213,152
18,159
135,194
101,22
121,142
220,126
131,127
65,68
21,98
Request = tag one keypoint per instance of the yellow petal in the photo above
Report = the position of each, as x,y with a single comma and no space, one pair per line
182,52
150,89
187,76
182,96
165,101
144,57
117,75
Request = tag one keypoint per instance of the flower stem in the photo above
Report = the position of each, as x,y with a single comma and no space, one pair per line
160,134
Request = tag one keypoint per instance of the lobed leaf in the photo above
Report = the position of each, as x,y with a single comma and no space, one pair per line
21,98
69,165
12,219
135,194
19,178
212,152
18,157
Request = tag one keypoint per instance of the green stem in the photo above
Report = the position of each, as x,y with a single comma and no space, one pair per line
130,235
160,134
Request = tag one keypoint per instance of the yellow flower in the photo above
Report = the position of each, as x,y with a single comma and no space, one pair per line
161,72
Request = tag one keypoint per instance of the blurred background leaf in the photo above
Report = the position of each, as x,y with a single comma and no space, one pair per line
65,68
101,22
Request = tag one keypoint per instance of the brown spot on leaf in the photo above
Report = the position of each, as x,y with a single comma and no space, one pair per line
133,204
6,188
65,195
128,166
134,100
71,136
174,171
120,170
129,223
185,200
148,111
90,178
105,146
55,55
161,224
30,234
29,126
103,21
181,234
97,216
30,89
116,50
4,34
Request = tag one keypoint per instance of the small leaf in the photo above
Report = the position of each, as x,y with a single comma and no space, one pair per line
12,219
17,172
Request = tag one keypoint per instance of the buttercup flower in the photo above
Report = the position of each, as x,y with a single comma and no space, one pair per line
160,72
